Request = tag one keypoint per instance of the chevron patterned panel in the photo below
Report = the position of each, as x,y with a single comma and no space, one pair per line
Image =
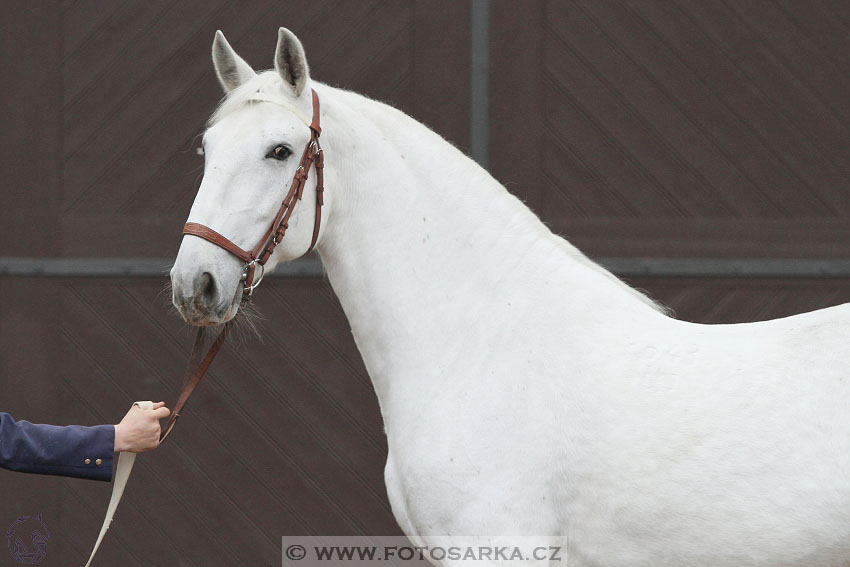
634,128
137,86
739,300
684,115
283,437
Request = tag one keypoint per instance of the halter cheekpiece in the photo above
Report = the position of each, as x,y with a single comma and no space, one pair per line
260,254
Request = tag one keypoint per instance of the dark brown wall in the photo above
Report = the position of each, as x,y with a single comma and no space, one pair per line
634,128
107,99
101,112
687,128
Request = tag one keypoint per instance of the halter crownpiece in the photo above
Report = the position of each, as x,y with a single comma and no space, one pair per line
260,254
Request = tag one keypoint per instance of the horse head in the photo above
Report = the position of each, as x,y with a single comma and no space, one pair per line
251,146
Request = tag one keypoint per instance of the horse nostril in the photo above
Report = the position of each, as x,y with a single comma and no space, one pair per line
206,287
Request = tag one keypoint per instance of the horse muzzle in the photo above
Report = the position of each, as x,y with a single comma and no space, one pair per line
201,298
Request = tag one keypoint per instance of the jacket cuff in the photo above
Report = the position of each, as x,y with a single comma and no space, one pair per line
100,453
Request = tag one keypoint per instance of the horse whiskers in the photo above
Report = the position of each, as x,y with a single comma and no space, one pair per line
248,321
165,289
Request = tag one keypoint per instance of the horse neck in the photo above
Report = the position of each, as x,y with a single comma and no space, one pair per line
421,243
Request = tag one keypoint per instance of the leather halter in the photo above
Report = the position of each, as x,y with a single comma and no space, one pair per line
258,256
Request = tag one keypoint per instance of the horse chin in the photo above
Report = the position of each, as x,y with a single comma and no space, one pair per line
197,316
208,319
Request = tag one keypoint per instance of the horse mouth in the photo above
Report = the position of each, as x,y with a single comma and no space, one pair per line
197,311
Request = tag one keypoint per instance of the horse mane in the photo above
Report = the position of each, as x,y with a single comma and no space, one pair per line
269,84
638,293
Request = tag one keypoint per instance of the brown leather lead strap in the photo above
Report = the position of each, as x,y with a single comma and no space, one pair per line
195,371
195,357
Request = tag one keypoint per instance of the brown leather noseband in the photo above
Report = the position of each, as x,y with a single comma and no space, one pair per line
260,254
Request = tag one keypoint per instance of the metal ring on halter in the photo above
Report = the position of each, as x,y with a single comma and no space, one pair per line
256,281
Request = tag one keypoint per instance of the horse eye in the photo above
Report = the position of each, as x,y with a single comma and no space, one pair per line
279,153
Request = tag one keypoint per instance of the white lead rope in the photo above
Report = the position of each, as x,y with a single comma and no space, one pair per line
122,475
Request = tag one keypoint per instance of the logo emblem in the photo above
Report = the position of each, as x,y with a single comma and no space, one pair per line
27,537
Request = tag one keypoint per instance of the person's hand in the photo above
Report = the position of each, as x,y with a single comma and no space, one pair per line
139,430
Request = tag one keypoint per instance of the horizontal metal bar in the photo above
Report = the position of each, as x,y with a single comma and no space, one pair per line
128,267
711,267
312,268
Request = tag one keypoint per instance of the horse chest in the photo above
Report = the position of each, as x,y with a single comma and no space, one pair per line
460,473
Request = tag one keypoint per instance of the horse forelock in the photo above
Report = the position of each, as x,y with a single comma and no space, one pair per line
266,85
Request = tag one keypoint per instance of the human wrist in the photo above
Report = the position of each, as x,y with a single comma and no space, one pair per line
120,442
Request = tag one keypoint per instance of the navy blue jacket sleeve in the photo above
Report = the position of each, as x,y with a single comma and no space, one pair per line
73,450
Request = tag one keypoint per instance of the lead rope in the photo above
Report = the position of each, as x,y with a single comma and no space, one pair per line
194,372
313,156
122,474
193,378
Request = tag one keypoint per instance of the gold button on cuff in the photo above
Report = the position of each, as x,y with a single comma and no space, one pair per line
87,461
98,462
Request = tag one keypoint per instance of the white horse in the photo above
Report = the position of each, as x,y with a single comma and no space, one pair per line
525,390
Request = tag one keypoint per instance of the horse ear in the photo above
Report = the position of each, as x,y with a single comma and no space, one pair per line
290,62
231,69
